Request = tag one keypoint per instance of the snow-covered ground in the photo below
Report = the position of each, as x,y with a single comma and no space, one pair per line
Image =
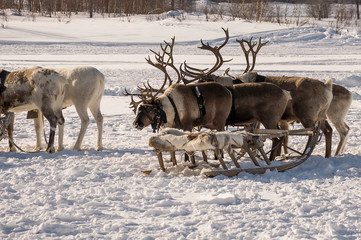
104,195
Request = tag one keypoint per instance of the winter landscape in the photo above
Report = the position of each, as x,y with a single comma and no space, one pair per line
104,195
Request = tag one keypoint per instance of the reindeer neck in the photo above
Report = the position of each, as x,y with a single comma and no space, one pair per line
171,111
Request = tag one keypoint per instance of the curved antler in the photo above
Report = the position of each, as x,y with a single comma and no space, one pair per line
134,104
250,49
163,60
195,73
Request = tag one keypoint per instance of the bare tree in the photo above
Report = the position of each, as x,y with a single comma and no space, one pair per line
319,9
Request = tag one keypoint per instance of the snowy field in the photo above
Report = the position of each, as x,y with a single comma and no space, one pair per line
104,195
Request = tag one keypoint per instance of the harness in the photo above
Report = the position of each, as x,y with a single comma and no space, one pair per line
200,101
230,118
177,121
159,117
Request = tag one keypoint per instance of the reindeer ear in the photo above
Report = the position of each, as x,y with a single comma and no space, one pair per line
248,77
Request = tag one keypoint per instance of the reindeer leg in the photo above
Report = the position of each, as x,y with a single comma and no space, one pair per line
95,110
327,130
11,135
84,118
284,125
53,122
342,130
38,123
54,118
60,138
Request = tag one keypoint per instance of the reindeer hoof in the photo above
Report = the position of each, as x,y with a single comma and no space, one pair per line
59,149
37,149
12,149
50,150
99,148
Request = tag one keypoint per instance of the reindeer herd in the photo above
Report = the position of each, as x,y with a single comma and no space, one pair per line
198,98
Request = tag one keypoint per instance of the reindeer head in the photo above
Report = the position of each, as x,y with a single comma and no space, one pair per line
150,113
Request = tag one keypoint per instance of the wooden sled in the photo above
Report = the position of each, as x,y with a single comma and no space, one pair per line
251,144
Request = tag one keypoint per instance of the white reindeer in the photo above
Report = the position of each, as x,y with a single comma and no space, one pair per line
85,90
35,88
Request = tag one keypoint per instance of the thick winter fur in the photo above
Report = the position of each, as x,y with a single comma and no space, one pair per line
337,112
85,90
36,88
310,100
172,140
263,102
217,101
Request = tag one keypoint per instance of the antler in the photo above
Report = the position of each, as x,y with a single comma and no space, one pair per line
134,104
163,60
195,73
250,49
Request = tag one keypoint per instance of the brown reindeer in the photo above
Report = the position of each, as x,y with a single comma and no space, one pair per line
262,102
35,88
336,113
181,106
310,101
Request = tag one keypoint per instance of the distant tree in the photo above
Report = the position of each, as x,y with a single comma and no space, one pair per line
319,8
91,8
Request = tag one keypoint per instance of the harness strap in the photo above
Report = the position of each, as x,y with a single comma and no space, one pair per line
159,117
231,116
176,115
200,101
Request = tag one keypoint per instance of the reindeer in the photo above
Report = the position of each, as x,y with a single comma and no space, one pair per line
262,102
310,100
35,88
181,106
85,90
335,112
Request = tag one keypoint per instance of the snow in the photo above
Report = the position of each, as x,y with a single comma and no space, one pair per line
104,195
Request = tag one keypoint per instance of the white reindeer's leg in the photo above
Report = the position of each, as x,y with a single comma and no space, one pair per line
342,129
95,110
38,123
84,119
60,138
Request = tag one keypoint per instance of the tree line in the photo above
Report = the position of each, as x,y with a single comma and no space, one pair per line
128,7
131,7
